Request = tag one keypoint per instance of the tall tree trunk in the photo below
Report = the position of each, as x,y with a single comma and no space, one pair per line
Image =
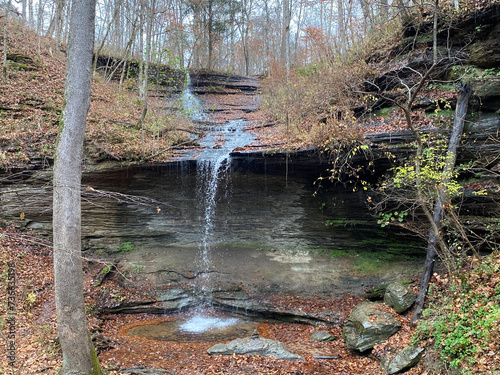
4,65
285,36
23,10
146,56
464,95
210,33
79,356
367,15
434,32
108,29
341,26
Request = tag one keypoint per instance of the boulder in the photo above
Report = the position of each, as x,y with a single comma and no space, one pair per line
399,297
405,359
322,336
368,324
254,346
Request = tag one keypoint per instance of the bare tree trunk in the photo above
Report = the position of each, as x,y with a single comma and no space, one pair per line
79,356
464,95
4,66
341,26
23,9
145,71
367,14
285,37
434,32
108,29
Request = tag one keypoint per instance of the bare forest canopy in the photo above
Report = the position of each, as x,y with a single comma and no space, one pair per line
238,36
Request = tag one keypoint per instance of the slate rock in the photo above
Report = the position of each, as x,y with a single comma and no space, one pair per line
254,346
367,325
399,297
405,359
322,336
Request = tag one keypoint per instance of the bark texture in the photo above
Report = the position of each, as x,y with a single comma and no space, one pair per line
78,353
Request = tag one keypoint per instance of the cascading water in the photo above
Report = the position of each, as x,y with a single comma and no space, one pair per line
212,166
191,105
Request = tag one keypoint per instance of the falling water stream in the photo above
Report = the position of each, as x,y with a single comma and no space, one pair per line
212,166
211,169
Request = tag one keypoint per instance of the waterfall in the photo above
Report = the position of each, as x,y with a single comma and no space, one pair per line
212,167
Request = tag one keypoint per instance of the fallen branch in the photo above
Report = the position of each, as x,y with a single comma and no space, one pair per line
326,357
90,192
265,125
130,125
106,151
163,131
104,272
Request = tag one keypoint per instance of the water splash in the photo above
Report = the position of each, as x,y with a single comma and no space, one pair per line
200,324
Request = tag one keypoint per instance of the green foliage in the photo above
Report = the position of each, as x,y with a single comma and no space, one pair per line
429,180
462,321
387,217
125,247
135,268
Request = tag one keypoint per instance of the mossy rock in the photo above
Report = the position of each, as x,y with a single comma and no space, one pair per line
19,58
378,292
21,66
368,324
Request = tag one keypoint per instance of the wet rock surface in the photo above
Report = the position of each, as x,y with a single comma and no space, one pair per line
206,83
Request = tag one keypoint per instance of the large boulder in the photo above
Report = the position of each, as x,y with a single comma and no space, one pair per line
405,359
399,297
254,346
367,325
